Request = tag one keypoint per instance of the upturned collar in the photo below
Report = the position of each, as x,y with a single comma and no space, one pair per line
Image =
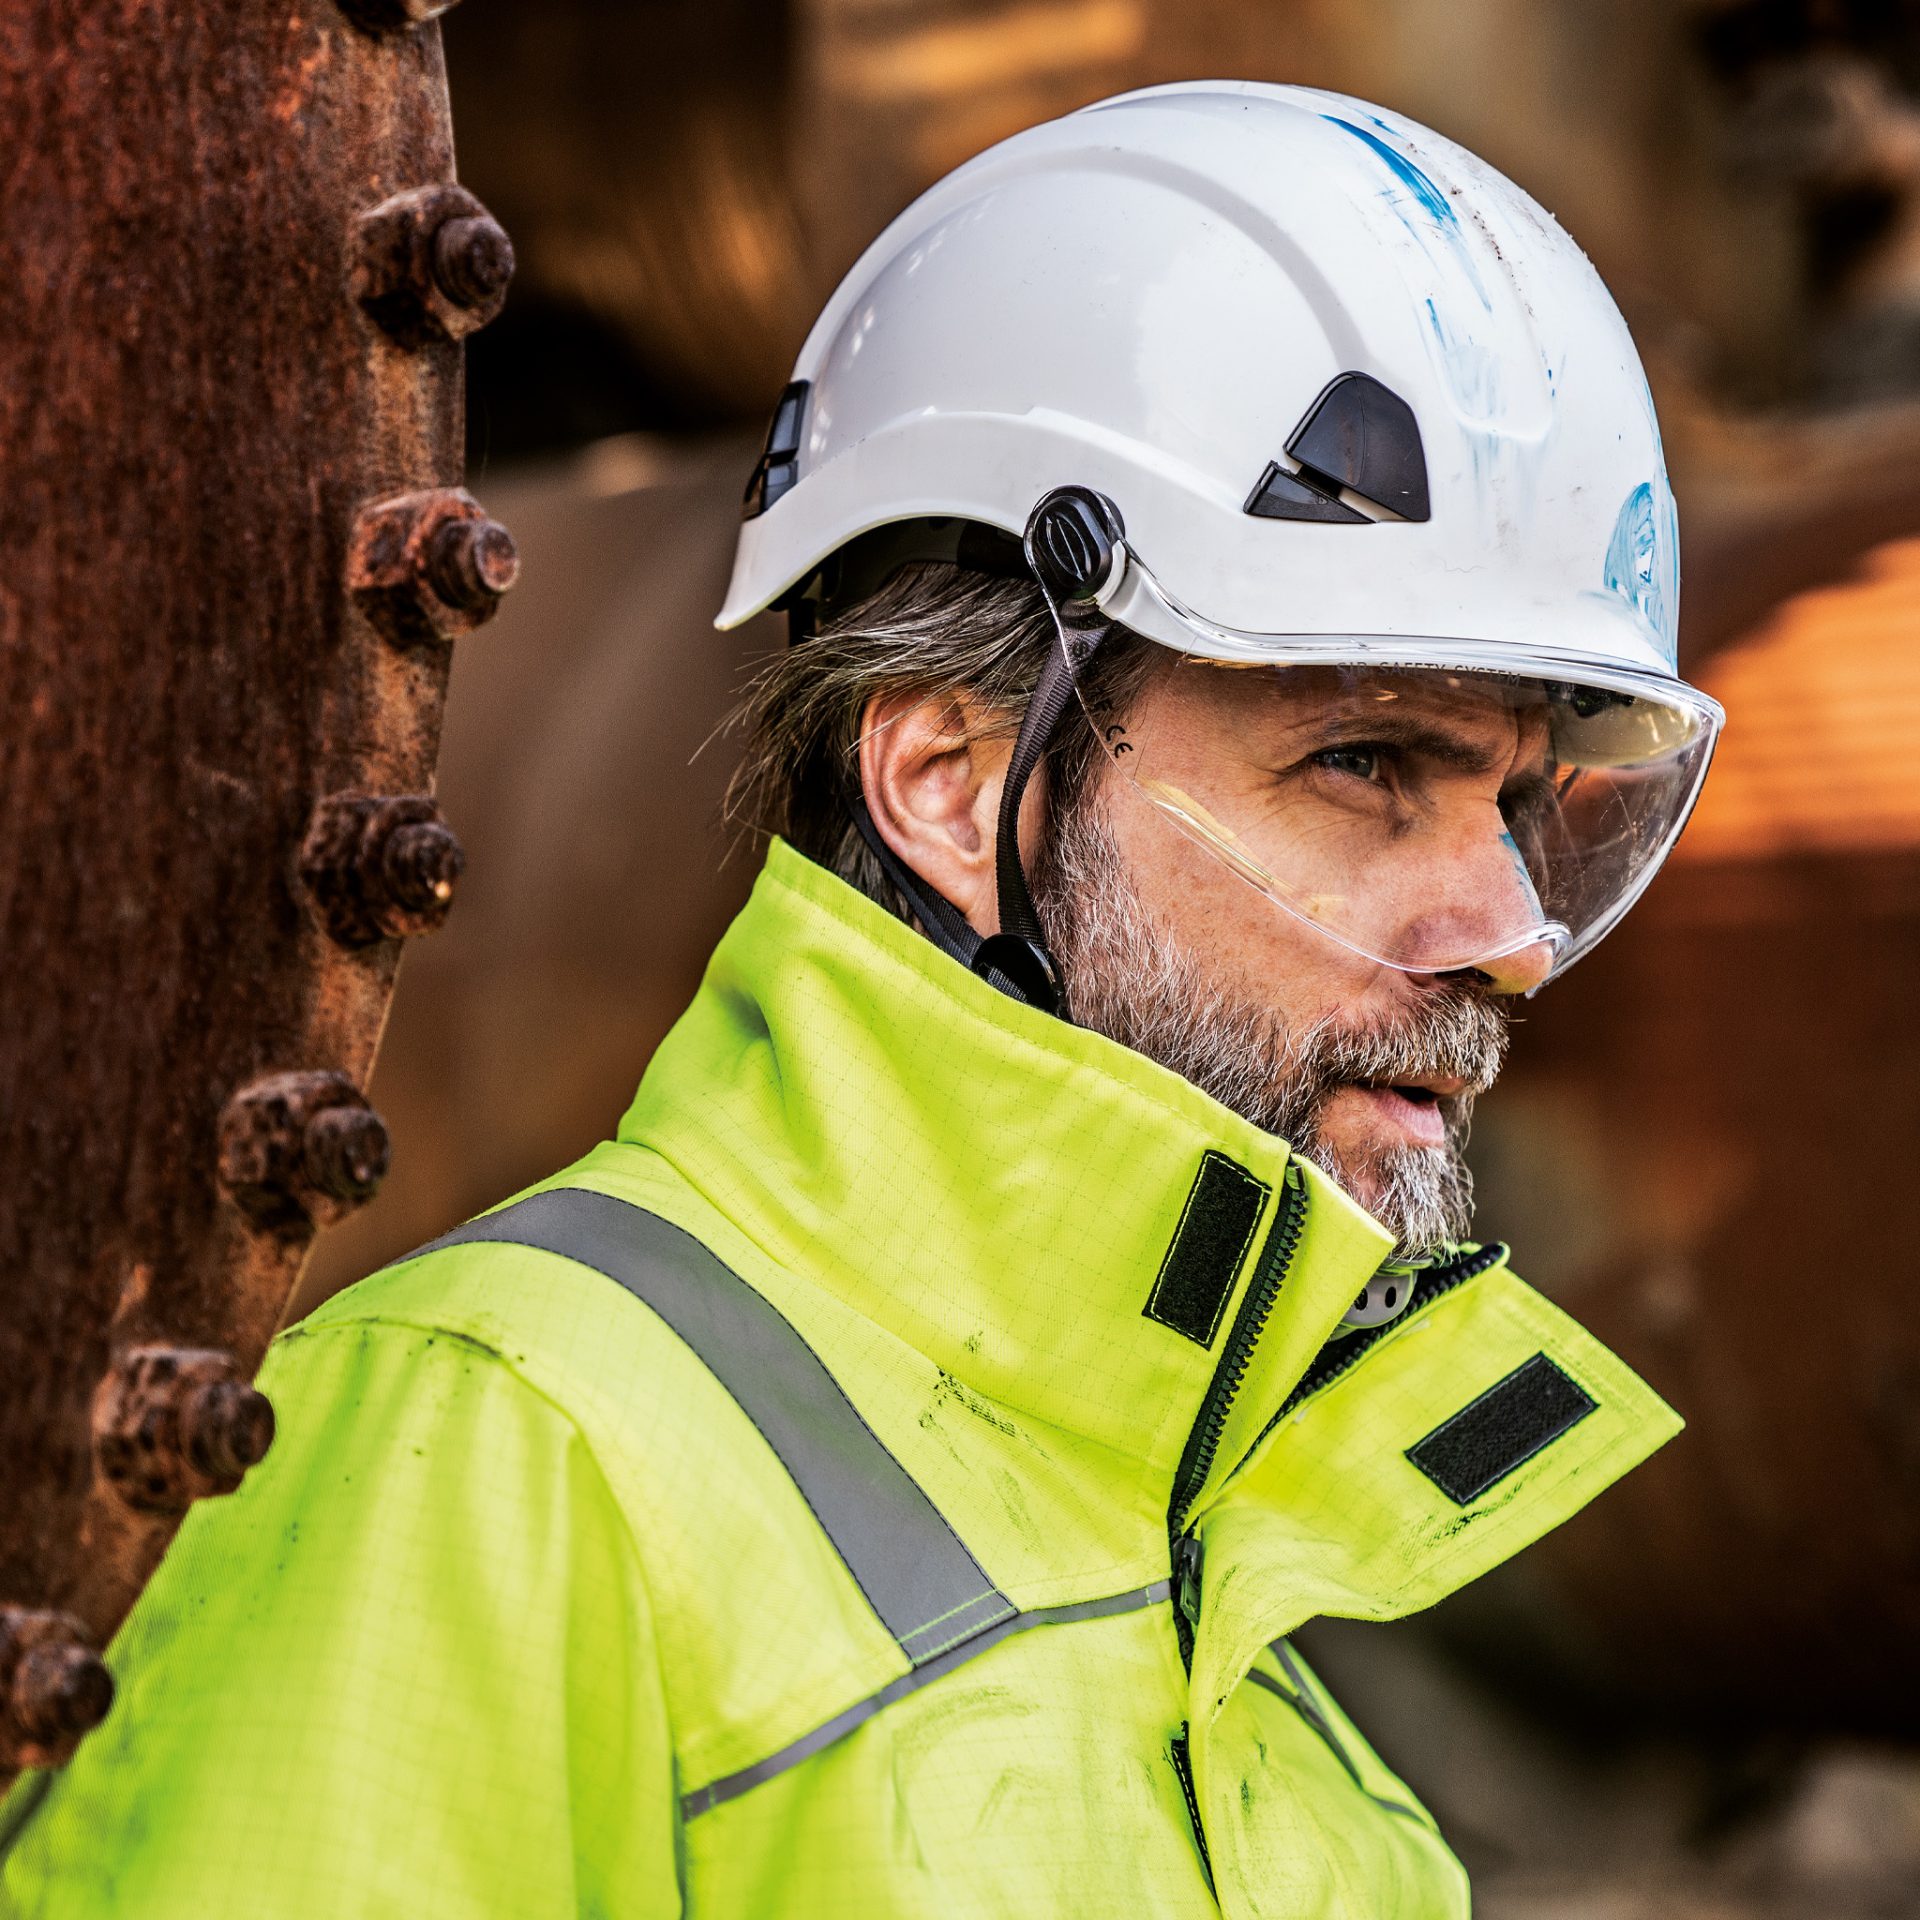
1059,1224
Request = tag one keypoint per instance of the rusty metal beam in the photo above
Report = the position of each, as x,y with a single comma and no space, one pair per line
233,559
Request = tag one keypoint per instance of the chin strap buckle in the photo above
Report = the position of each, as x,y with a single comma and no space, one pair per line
1385,1297
1021,967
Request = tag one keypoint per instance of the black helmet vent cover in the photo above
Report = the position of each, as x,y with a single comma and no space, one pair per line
1361,436
779,466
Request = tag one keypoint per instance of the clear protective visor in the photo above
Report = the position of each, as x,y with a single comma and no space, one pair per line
1422,810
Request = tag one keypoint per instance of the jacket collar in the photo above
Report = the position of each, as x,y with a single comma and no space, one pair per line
999,1192
996,1188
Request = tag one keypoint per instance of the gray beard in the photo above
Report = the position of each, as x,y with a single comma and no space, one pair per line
1128,978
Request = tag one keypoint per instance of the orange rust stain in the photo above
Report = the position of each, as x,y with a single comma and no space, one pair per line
296,95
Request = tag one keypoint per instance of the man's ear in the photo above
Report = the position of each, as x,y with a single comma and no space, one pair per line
931,768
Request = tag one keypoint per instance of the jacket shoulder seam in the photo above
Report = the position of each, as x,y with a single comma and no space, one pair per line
426,1325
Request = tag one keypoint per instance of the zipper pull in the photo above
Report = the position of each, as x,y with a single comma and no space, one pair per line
1385,1297
1186,1578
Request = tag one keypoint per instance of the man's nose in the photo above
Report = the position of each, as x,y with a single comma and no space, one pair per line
1491,898
1513,973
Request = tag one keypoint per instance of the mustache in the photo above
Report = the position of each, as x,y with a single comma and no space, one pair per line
1424,1194
1453,1033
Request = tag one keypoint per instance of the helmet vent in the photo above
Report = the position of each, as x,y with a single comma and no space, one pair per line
779,465
1280,495
1360,437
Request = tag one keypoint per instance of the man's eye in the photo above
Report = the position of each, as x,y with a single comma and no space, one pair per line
1363,763
1527,803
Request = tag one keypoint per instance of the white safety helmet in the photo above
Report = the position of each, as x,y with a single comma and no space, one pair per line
1289,384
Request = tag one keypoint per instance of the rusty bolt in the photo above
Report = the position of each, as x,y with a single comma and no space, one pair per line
174,1425
427,566
53,1687
431,264
344,1154
472,563
392,16
379,867
300,1150
231,1429
60,1692
472,260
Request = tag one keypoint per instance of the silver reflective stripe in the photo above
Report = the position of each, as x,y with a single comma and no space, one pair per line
916,1573
732,1785
1306,1704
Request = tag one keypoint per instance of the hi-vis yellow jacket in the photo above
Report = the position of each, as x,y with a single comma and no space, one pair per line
881,1481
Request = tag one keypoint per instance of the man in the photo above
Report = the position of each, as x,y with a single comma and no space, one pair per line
885,1477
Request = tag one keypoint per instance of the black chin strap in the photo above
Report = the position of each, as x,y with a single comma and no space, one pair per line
1074,542
1005,967
946,926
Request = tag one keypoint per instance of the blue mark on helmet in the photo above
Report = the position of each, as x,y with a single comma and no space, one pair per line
1409,176
1643,561
1413,195
1471,371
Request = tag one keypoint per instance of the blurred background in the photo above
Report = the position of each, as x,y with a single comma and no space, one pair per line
1703,1698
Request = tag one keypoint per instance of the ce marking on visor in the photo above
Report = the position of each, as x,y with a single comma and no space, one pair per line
1113,733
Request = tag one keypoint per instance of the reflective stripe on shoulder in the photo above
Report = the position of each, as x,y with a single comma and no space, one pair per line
916,1573
1305,1702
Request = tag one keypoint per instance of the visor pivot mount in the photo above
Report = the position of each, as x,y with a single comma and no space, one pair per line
1076,544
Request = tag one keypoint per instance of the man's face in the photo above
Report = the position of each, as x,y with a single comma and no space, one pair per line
1369,1070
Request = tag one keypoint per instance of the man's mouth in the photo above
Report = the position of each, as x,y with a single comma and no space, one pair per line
1413,1108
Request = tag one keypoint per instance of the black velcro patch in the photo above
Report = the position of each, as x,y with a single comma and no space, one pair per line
1484,1442
1216,1226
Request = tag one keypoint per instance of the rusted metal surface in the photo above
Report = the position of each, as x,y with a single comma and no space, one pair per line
237,275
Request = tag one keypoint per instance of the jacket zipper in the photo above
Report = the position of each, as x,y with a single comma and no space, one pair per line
1203,1442
1341,1354
1182,1757
1337,1357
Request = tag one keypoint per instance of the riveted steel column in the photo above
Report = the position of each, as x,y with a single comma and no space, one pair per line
239,272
